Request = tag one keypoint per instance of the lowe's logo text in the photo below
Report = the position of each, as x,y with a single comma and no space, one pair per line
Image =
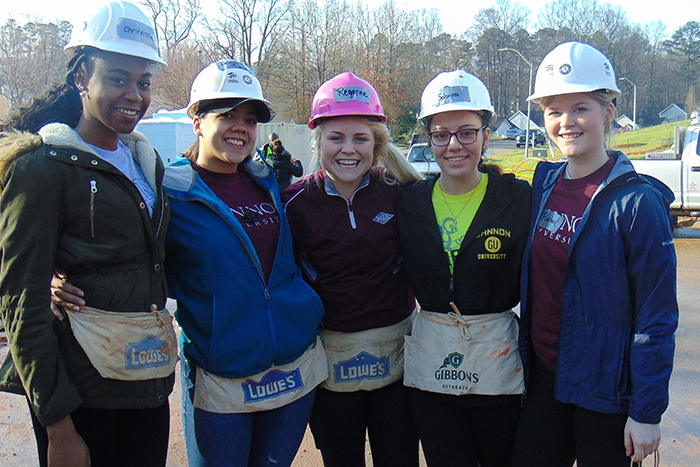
362,366
273,384
147,353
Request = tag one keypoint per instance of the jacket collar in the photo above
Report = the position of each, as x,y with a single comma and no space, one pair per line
622,171
332,190
63,136
180,176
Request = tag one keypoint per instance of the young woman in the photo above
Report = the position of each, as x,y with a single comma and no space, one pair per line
249,321
85,196
598,297
251,354
463,234
346,242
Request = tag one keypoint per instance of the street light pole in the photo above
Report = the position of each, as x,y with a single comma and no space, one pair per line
529,93
634,105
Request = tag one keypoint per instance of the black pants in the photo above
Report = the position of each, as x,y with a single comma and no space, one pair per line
339,421
552,434
117,438
457,434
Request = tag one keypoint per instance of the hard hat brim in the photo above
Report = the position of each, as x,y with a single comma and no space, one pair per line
221,106
573,89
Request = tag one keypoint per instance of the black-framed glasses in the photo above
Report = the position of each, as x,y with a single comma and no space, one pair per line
464,136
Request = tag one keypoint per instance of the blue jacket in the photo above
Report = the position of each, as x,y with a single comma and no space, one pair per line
619,309
235,324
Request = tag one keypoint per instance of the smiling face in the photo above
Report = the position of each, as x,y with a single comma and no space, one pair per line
346,148
116,92
576,125
226,139
459,161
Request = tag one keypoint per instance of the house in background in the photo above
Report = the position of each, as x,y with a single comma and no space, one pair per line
517,120
624,123
501,126
673,113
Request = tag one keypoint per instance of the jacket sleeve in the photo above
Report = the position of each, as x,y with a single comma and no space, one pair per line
30,212
295,168
651,271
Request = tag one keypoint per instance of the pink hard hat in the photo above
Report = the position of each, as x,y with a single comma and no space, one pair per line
345,95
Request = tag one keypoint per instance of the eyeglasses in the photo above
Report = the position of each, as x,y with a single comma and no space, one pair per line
464,136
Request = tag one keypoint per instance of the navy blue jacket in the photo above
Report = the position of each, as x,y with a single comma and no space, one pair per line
619,309
235,323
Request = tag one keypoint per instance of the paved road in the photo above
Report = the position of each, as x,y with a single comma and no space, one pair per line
680,426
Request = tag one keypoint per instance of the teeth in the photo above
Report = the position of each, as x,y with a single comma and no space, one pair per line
130,113
235,142
348,163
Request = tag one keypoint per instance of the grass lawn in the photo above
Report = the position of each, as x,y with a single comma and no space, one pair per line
633,143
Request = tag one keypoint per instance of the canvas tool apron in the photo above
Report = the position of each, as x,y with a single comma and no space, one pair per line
270,389
127,346
455,354
365,360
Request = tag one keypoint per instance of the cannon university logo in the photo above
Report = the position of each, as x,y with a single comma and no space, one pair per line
452,376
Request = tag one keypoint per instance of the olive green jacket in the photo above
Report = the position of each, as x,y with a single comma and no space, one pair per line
63,207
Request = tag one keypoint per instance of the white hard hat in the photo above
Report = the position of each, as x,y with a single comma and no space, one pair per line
574,67
454,90
119,27
230,80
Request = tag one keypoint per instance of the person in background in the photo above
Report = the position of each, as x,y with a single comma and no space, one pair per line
598,302
463,234
283,165
346,242
267,147
85,195
251,353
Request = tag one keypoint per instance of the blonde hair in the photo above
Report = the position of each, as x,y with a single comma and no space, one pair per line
396,169
600,96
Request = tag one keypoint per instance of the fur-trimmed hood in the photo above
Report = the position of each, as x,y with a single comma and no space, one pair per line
15,144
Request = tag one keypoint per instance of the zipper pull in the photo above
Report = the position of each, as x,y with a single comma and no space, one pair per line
452,283
93,190
267,294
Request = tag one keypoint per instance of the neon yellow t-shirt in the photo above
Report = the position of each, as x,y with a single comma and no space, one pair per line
455,214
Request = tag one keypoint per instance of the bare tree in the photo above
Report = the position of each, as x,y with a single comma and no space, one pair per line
249,28
31,58
655,33
504,16
581,17
174,20
684,48
172,87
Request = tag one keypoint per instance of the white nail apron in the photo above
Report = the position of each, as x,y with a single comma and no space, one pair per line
270,389
127,346
456,354
365,360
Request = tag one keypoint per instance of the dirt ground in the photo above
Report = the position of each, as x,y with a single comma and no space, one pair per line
680,426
